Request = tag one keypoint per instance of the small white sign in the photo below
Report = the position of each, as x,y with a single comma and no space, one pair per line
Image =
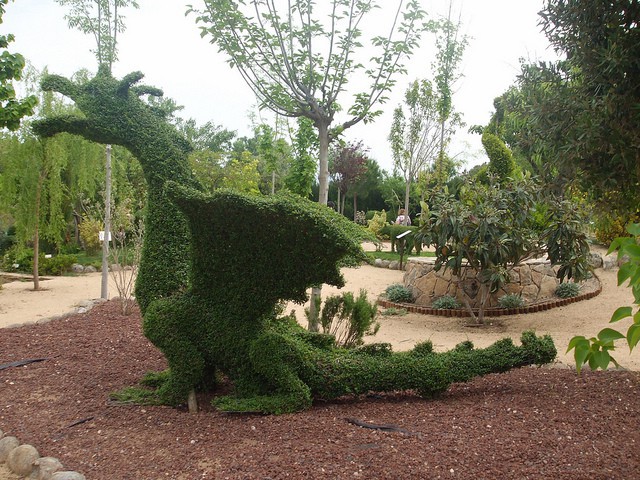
101,236
402,235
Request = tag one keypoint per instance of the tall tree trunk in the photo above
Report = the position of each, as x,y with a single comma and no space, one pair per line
355,205
323,157
407,192
273,182
440,166
36,234
323,197
76,227
104,290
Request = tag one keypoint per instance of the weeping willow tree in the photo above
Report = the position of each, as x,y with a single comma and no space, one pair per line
42,178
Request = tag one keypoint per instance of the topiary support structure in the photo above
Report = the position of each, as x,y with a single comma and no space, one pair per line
210,285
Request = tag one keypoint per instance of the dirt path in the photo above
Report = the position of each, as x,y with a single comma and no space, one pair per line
19,304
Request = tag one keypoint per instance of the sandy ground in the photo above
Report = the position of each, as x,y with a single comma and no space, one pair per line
19,304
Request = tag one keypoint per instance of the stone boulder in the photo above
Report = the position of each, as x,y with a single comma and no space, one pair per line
77,268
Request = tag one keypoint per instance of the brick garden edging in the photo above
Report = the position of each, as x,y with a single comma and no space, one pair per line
492,311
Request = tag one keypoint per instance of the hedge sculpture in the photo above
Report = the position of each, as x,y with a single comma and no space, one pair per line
247,255
114,114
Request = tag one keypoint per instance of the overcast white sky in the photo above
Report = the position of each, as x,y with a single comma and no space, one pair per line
166,46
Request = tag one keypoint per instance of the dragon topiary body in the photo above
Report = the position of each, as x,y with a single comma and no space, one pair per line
215,268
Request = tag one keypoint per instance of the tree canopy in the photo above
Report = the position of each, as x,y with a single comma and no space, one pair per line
582,113
99,18
415,136
299,65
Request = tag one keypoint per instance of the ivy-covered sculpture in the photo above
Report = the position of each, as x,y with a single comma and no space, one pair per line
247,255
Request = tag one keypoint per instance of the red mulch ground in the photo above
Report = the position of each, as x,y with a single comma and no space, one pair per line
527,424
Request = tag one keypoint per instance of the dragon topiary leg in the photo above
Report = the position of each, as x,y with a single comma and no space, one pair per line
164,325
275,360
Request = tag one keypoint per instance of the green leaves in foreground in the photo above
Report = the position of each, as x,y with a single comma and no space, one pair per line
595,350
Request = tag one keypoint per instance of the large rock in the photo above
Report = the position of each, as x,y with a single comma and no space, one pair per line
77,268
525,276
67,476
595,260
22,460
7,444
548,287
45,468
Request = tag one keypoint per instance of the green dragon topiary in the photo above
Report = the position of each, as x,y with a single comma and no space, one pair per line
209,285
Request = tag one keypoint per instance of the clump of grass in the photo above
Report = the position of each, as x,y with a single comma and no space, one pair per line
445,302
511,300
399,293
568,290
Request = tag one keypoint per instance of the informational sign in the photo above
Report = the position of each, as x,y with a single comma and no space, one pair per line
101,236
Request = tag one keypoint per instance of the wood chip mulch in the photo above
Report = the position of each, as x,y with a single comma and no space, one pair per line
531,423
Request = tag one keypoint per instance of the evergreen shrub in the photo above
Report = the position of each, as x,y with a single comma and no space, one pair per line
511,300
398,293
567,290
349,319
23,257
445,302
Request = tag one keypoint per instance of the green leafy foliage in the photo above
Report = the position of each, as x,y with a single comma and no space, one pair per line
412,242
23,258
398,293
100,19
567,290
90,235
595,351
577,117
511,300
446,302
12,109
487,229
301,174
349,319
415,135
501,163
